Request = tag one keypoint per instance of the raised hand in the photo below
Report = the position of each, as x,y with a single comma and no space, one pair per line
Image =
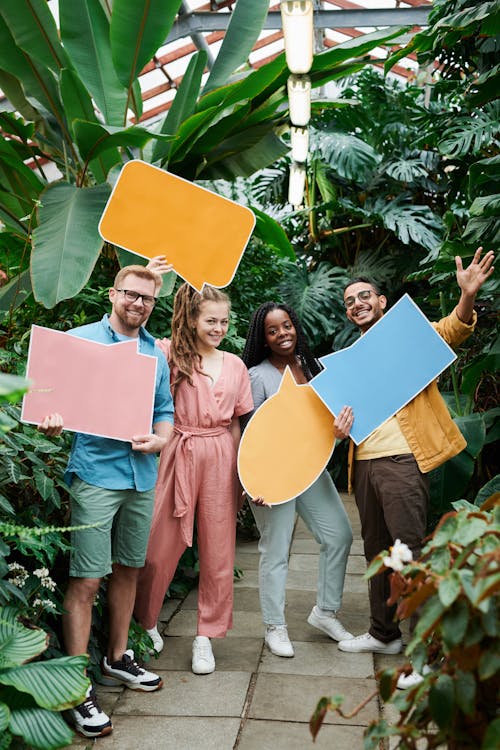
160,265
471,279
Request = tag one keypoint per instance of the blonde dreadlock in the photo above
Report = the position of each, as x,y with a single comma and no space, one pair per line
183,353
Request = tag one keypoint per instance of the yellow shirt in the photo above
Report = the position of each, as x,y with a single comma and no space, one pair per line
386,440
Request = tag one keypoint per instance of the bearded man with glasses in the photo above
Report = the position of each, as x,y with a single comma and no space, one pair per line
389,469
113,484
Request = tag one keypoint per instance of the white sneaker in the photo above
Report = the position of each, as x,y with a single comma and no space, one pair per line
88,718
156,638
203,661
126,671
367,642
413,679
277,640
329,624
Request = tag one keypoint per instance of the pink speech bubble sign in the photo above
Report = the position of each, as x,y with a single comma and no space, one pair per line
100,389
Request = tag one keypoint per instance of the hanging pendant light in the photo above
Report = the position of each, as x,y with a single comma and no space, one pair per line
296,184
299,99
297,22
299,138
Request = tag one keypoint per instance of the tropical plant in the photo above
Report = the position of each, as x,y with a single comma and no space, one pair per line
454,586
57,82
32,693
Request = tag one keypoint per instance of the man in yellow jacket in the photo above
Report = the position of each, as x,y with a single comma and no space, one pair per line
388,470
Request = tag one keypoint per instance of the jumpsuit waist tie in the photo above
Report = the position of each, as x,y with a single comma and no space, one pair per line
185,479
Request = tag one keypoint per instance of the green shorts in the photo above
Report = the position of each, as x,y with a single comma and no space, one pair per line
124,518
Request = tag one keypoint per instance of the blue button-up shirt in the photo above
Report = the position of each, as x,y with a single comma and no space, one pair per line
113,464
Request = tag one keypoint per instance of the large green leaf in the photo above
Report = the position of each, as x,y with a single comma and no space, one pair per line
15,292
254,86
17,643
348,155
13,90
55,684
352,48
85,33
34,29
94,139
411,223
490,488
244,28
4,717
66,242
39,83
39,728
183,105
315,296
244,156
12,388
468,135
272,234
78,106
138,29
484,176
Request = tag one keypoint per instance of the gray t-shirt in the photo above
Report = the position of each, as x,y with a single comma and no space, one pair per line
265,380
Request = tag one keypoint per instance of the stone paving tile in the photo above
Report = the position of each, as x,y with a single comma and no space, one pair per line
261,735
308,580
319,659
179,733
246,560
185,694
310,546
291,698
231,654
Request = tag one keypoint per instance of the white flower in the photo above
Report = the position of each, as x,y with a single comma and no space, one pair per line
49,583
400,555
41,572
21,574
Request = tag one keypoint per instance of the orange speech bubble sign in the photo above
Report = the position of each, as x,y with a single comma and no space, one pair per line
152,212
287,443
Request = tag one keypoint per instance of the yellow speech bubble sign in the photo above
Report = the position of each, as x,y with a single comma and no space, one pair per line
287,443
152,212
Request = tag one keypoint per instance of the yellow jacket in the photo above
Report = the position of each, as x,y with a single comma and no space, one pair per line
425,422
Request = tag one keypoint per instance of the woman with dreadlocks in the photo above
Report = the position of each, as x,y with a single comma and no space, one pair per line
276,340
197,473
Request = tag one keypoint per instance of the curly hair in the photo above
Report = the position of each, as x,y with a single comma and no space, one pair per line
255,347
184,355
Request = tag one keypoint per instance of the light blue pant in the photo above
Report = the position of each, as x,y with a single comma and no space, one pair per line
322,511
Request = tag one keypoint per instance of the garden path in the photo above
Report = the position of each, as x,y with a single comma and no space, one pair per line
254,700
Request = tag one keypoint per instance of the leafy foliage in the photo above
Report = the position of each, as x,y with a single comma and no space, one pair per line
455,586
226,129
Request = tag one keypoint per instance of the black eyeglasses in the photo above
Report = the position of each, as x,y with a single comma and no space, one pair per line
363,296
130,296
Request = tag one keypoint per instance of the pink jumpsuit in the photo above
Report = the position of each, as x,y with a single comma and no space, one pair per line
197,474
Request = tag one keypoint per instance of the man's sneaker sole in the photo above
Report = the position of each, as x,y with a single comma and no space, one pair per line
89,734
117,681
391,648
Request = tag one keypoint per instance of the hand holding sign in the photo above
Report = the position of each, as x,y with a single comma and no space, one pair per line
88,383
152,212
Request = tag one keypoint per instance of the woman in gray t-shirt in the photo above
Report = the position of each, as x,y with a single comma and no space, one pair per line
276,340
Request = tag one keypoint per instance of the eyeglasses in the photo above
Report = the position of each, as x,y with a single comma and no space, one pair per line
362,296
130,296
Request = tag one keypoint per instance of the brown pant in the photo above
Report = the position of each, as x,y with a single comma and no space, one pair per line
392,496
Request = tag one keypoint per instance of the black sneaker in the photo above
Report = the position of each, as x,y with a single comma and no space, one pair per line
88,718
127,672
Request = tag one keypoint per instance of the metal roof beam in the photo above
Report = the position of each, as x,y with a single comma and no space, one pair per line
206,21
